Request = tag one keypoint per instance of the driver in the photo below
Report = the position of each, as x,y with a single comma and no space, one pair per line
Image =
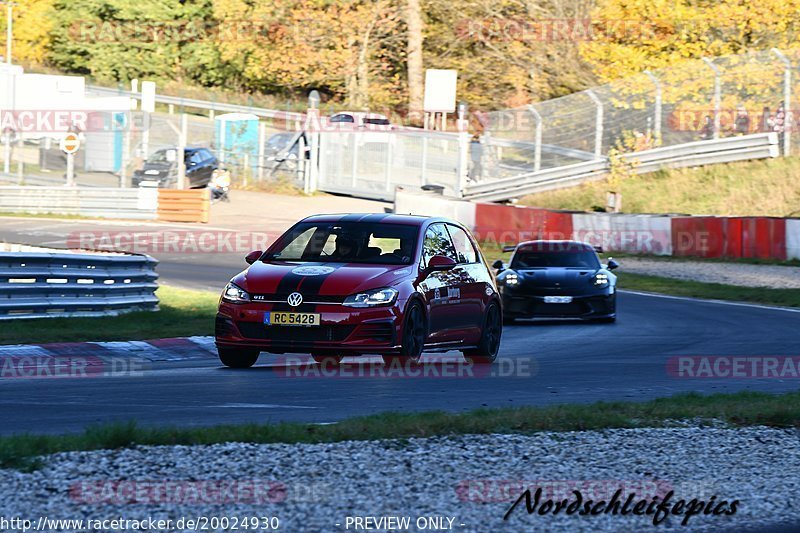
346,248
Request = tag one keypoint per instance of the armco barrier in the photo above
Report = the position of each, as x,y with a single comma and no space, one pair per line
415,203
501,223
43,282
697,153
99,202
682,236
624,233
191,205
792,238
733,237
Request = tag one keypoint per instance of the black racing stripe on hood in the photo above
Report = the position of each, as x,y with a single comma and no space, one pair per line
308,286
375,217
351,218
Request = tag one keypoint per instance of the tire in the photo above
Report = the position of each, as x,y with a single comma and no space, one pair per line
236,358
413,340
327,360
489,345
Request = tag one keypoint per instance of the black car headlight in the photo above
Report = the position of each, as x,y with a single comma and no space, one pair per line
373,298
511,279
235,294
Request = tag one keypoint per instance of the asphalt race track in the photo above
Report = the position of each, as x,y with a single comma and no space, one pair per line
550,363
541,363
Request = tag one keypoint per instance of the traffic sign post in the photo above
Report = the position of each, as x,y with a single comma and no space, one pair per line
70,144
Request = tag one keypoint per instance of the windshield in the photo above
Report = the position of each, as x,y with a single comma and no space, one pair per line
563,256
347,242
162,156
377,121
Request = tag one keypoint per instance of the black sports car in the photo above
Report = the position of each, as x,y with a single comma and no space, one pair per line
557,279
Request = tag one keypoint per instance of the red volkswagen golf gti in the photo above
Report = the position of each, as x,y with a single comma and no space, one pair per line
340,285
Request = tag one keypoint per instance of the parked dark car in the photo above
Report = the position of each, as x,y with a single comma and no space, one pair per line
557,279
161,168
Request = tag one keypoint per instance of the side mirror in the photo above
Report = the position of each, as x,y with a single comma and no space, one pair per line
612,264
253,256
439,263
498,265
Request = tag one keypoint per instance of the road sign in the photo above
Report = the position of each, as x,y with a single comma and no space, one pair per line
70,143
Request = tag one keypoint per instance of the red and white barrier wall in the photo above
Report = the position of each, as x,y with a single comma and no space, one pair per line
688,236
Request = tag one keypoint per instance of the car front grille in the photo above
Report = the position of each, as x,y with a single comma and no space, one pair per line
307,299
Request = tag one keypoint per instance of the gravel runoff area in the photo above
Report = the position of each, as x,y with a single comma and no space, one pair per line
471,479
742,274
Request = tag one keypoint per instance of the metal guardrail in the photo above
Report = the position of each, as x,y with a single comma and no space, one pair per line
41,282
100,202
205,104
714,151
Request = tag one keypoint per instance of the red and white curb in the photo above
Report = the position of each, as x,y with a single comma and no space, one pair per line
174,349
177,349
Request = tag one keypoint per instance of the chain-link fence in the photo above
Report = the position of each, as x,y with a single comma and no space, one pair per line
272,150
371,164
696,100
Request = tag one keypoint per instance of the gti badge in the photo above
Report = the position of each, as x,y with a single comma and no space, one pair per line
295,299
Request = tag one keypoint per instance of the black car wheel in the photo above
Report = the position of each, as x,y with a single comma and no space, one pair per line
489,345
236,358
413,341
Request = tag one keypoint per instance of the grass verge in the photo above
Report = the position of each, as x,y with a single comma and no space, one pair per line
181,313
739,409
711,291
769,187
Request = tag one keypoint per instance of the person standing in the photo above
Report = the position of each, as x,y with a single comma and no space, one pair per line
742,122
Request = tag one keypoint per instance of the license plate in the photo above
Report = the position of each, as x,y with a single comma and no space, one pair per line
291,319
557,299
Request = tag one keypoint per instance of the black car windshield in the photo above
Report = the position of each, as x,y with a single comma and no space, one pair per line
347,242
563,256
162,156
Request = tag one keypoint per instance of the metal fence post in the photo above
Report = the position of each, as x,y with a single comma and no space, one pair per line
657,112
787,101
261,139
182,152
537,153
598,131
424,163
463,163
717,94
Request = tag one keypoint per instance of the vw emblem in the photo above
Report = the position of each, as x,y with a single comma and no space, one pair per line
295,299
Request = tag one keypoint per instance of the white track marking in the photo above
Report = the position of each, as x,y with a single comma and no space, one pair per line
719,302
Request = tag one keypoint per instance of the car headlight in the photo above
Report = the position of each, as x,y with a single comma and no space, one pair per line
235,294
601,279
375,297
511,279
